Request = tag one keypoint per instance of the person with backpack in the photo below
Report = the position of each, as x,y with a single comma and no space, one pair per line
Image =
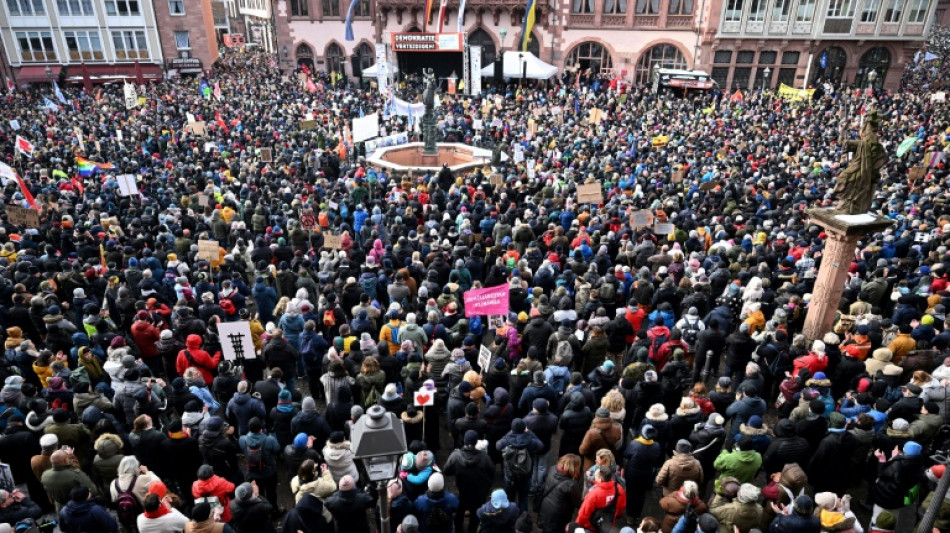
194,356
437,507
518,449
260,456
605,502
129,490
281,353
690,326
658,335
313,348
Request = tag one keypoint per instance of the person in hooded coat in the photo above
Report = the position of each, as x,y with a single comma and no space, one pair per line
644,456
474,474
574,422
348,506
498,515
787,447
604,432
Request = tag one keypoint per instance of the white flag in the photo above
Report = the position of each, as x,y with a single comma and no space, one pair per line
131,97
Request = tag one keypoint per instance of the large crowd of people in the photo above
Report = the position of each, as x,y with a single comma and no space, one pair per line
640,381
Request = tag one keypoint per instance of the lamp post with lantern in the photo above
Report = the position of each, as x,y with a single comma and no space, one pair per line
378,440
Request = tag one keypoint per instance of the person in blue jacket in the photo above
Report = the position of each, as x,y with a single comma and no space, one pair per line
82,514
436,508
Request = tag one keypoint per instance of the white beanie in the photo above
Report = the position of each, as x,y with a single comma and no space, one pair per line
818,346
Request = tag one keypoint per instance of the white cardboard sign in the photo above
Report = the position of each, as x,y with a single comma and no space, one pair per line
236,340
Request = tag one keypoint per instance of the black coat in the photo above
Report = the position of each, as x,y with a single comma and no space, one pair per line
562,496
307,516
474,474
828,470
787,447
895,477
574,423
349,511
251,516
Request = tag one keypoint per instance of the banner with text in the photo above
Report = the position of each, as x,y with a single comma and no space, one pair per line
488,301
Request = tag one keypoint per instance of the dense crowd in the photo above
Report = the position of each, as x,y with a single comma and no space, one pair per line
645,381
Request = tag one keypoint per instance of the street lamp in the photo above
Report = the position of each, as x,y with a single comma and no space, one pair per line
378,439
49,74
524,67
504,33
766,82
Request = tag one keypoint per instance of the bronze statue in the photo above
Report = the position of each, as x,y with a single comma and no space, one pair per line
856,184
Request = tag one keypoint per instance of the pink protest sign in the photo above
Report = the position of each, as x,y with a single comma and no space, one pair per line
488,301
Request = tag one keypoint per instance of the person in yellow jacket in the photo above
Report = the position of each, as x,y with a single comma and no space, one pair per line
390,332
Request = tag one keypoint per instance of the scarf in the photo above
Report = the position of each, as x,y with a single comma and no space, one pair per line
177,434
157,513
645,441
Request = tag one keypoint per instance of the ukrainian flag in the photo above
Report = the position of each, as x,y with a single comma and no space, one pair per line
528,25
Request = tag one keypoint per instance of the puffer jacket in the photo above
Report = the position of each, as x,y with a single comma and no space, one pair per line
124,400
742,465
108,456
743,515
499,414
895,478
414,333
679,468
242,408
218,487
562,495
786,448
879,359
339,459
474,474
438,356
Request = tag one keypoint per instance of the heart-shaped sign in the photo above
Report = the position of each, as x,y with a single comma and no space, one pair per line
423,399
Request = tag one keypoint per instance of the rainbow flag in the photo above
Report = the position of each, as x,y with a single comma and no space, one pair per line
88,168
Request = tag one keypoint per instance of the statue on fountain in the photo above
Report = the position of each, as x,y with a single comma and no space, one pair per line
857,184
428,119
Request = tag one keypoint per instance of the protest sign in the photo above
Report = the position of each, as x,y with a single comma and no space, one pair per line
487,301
590,193
663,228
127,185
23,216
331,241
365,128
307,220
484,357
708,186
197,128
202,199
267,155
423,398
915,173
641,219
237,342
208,250
307,125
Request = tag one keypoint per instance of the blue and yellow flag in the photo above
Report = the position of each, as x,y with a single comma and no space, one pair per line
527,26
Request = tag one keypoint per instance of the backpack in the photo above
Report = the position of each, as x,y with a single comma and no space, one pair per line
307,351
517,463
254,457
475,326
658,343
691,333
329,318
608,292
126,504
227,306
369,287
438,520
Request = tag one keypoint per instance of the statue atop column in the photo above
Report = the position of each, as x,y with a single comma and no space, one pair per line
428,119
857,184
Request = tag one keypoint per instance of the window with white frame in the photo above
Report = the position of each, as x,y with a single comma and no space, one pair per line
870,10
841,8
893,9
123,8
176,7
36,46
806,11
75,8
130,45
734,10
918,11
26,8
84,45
182,40
781,10
757,10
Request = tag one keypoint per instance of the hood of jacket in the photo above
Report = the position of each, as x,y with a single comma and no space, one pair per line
193,342
337,451
501,396
108,445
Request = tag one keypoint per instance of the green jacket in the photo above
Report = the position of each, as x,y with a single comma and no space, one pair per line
60,480
741,465
744,515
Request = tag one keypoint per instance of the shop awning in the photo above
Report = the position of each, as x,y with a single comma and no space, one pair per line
113,73
37,73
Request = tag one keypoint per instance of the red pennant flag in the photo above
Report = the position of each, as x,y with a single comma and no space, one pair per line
26,193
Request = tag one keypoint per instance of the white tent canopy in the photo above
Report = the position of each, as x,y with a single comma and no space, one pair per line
373,71
513,68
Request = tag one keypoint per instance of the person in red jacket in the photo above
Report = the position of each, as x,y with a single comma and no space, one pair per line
605,492
145,336
209,485
814,361
194,356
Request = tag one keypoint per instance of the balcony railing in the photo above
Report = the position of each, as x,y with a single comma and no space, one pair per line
582,20
614,21
680,21
646,21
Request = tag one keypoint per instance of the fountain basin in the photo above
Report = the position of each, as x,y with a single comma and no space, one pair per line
407,158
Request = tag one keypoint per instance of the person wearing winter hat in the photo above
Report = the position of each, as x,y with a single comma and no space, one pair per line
437,507
409,524
250,511
517,465
679,468
743,512
797,517
498,515
826,470
758,431
474,474
348,506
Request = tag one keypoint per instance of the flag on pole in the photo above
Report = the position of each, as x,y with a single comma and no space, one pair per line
443,5
528,25
24,146
348,31
88,168
217,90
7,173
905,146
311,86
220,121
59,94
10,85
461,20
50,106
427,18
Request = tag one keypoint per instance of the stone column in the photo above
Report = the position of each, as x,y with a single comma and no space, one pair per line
835,260
844,232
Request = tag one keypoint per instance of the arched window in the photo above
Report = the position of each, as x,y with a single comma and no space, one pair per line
877,59
664,55
589,55
481,38
335,58
534,45
304,55
366,56
829,65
